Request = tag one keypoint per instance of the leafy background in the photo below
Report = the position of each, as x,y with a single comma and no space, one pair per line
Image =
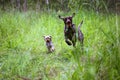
23,54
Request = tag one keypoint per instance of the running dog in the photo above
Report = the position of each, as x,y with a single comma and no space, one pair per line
49,44
69,30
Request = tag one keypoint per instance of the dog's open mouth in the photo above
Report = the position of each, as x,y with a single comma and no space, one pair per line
69,24
47,40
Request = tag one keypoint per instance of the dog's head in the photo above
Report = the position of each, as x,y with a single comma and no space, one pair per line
47,38
67,20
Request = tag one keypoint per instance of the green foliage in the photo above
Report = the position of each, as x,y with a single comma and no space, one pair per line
60,5
23,52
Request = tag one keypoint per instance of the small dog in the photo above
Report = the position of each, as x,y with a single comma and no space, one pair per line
69,30
49,44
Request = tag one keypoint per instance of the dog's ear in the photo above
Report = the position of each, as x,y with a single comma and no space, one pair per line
73,14
51,37
60,17
43,37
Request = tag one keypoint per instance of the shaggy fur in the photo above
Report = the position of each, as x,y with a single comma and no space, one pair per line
49,44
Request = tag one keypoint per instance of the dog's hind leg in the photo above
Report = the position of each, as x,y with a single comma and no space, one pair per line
74,40
74,43
82,46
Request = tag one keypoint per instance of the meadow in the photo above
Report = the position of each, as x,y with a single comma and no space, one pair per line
23,53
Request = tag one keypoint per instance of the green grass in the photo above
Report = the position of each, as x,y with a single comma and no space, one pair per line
23,52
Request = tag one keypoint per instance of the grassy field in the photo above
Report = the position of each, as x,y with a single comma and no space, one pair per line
23,53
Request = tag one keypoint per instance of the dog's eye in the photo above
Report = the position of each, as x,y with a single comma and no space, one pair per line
65,19
70,18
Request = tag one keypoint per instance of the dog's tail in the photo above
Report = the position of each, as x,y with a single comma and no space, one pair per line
80,35
80,25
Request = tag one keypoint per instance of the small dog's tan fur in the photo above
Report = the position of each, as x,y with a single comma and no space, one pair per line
49,44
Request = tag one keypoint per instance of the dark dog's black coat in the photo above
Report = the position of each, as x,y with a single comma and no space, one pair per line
69,30
70,33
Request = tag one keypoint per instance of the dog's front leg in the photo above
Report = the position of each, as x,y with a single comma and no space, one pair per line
74,39
68,41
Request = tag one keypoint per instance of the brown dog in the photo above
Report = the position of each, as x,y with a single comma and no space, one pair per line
69,30
49,44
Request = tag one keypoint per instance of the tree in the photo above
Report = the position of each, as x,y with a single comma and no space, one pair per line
25,6
18,5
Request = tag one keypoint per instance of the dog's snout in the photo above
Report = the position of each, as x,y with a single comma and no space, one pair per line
47,40
68,21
